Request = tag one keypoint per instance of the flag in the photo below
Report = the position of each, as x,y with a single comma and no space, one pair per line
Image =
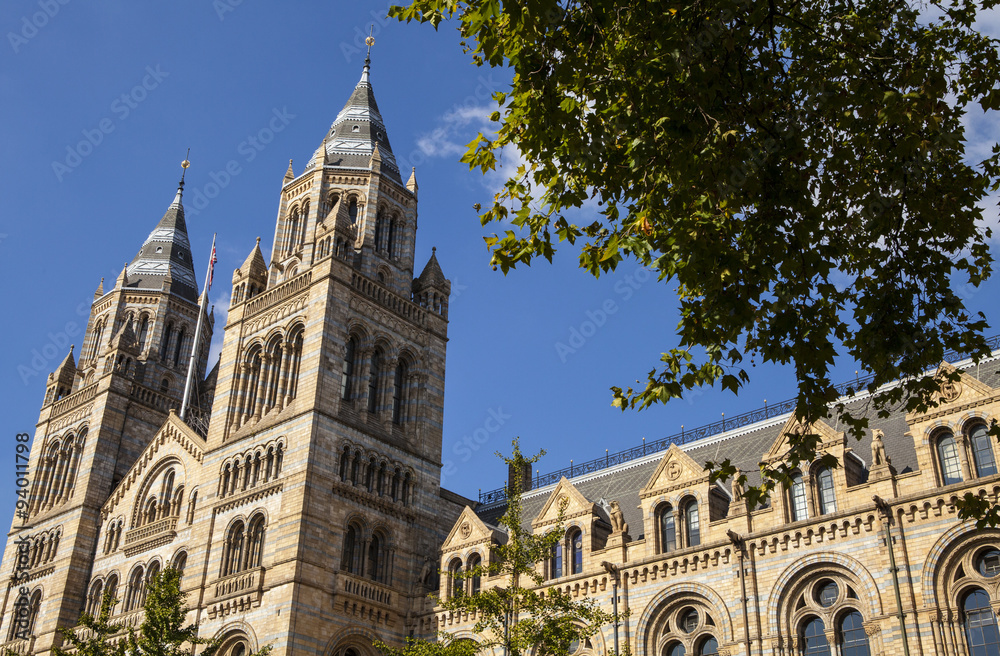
211,266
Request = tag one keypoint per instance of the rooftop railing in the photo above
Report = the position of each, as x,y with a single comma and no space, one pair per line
769,411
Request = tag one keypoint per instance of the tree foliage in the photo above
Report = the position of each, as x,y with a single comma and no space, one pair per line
798,170
519,615
161,633
95,639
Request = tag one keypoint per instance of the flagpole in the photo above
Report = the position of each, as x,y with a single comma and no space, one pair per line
192,363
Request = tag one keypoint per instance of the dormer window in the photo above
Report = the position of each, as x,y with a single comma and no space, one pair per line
159,249
356,128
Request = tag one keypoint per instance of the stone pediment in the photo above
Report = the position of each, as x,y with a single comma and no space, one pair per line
954,395
828,437
468,529
676,469
567,497
173,433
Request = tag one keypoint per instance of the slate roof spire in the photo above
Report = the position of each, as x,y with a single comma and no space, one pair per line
166,253
358,129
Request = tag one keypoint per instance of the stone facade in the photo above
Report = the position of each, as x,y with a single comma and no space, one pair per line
700,573
301,495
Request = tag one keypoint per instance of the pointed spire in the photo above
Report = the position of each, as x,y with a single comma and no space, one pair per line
358,129
68,362
125,339
432,274
122,278
255,261
411,184
166,253
290,173
99,292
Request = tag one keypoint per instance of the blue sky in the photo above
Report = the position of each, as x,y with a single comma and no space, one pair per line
100,102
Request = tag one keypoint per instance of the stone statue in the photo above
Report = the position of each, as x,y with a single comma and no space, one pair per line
618,523
737,490
878,449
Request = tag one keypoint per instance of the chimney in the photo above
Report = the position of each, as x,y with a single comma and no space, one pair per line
525,475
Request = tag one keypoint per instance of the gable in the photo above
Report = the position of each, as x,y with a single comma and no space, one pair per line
173,439
566,496
676,469
966,392
468,530
828,437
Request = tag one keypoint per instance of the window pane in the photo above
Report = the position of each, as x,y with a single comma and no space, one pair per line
951,469
577,543
798,495
668,529
982,451
814,637
709,647
852,632
988,563
674,649
827,498
688,620
980,625
692,524
827,593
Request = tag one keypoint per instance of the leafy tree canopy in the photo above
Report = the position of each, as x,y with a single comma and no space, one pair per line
162,632
798,170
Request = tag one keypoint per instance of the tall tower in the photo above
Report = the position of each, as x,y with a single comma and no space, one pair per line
98,415
335,356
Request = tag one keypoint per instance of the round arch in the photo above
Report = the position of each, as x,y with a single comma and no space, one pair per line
680,593
807,568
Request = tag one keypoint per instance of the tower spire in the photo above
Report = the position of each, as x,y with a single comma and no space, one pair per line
370,41
180,185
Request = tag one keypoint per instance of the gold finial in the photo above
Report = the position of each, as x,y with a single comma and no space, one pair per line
184,166
370,41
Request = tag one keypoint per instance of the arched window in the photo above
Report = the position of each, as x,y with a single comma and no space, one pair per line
827,496
375,564
708,647
576,551
232,557
951,468
390,242
349,556
293,231
980,624
797,495
352,210
455,577
143,332
111,588
347,375
692,523
674,649
374,380
95,349
397,393
134,593
180,562
982,451
556,561
475,582
94,598
668,529
168,333
179,347
151,574
379,230
814,638
853,640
